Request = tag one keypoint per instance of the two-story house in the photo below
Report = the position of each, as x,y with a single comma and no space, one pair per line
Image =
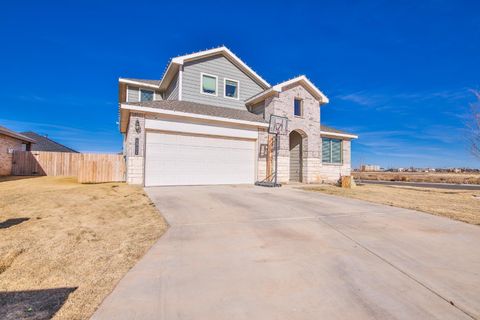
206,122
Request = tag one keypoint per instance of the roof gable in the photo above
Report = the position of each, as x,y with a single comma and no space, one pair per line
307,84
176,62
301,80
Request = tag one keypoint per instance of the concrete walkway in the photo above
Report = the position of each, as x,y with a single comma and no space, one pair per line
243,252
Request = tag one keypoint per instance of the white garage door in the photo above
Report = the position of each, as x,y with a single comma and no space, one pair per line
174,159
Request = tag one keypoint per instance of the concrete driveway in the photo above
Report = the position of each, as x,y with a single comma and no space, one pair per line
244,252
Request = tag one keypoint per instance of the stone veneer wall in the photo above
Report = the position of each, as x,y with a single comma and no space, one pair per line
7,143
308,125
135,163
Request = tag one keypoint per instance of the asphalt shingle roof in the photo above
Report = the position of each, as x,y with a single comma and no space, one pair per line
43,143
203,109
15,135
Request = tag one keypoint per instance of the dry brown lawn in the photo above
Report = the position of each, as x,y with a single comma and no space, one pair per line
455,204
440,177
65,245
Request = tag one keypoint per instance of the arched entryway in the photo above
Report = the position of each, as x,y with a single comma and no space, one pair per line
296,152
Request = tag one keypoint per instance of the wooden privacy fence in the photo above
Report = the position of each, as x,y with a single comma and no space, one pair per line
87,167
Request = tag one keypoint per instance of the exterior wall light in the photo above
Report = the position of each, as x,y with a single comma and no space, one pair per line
138,129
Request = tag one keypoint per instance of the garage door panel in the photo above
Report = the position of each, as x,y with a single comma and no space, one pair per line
173,159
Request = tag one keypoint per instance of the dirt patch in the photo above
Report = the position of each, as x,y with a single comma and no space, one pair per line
60,235
455,204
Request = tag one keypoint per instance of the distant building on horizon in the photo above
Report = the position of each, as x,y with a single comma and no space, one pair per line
370,167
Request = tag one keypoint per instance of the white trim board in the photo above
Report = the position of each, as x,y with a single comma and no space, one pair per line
137,83
336,134
180,83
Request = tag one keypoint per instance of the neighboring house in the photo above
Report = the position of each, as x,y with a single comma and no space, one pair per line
11,141
43,143
206,121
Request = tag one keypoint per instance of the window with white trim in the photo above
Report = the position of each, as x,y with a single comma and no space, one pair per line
331,150
146,95
231,89
209,84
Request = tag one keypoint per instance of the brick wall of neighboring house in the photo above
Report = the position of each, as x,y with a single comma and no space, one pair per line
6,143
308,125
135,162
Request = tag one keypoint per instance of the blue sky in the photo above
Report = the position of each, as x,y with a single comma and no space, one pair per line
398,73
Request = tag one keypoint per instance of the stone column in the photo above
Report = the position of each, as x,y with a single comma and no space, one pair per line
135,149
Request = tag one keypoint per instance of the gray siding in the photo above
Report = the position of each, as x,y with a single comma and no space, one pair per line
222,68
172,91
134,94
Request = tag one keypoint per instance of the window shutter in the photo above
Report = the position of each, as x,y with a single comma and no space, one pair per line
336,151
326,150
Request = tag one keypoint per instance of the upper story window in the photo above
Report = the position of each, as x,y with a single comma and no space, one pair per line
136,94
331,151
146,95
231,89
209,84
297,107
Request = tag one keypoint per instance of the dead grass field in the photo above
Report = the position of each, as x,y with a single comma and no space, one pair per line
466,178
61,241
455,204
